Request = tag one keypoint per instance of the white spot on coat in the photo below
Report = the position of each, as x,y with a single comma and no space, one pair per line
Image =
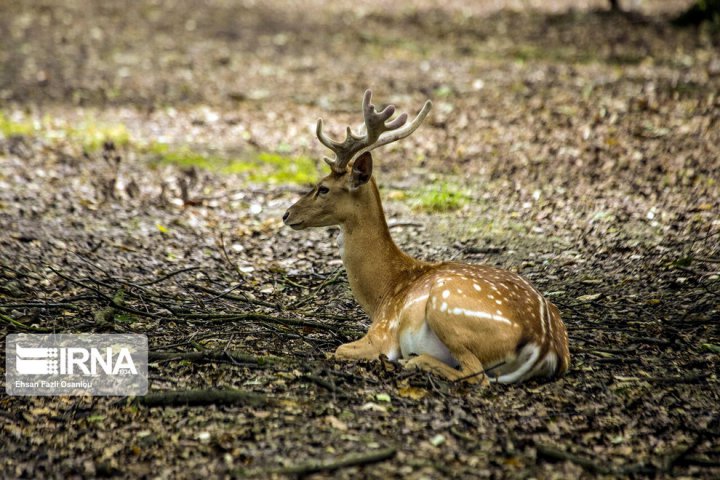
476,314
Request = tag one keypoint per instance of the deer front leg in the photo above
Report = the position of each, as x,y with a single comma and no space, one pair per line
362,349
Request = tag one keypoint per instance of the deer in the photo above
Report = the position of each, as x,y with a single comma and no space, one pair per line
462,322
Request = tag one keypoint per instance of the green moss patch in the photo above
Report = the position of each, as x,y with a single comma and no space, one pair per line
13,128
441,197
262,167
90,134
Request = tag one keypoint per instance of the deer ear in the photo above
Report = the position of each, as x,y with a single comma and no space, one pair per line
361,171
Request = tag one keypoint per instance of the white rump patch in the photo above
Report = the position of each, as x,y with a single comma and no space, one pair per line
524,362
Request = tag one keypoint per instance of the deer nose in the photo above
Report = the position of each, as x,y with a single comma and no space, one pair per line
287,214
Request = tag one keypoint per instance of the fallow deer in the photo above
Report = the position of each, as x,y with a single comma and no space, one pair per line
455,320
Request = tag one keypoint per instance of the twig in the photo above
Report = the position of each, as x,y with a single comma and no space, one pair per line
203,397
192,338
351,460
331,279
321,382
227,317
405,224
40,305
22,274
708,259
480,372
291,282
698,378
105,297
230,296
332,316
169,275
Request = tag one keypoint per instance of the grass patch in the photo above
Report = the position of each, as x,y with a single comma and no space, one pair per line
92,135
442,197
14,128
263,167
88,133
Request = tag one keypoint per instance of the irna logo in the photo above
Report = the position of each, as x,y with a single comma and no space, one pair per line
76,364
73,361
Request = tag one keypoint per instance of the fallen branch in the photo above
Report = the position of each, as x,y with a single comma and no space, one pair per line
699,461
194,398
226,317
11,321
553,453
650,340
212,355
352,460
697,378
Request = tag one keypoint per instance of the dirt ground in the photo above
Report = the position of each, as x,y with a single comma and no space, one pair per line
148,150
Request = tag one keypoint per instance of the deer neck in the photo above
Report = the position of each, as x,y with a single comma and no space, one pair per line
373,262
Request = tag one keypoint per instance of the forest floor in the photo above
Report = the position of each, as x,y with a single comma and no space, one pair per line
148,152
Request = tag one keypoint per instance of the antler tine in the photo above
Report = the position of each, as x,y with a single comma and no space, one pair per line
376,124
344,151
397,133
324,139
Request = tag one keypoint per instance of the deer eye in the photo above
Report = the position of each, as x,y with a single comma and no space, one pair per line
322,189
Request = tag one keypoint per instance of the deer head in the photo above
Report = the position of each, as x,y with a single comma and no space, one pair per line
337,196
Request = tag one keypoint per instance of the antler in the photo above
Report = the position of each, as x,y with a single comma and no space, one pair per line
379,132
